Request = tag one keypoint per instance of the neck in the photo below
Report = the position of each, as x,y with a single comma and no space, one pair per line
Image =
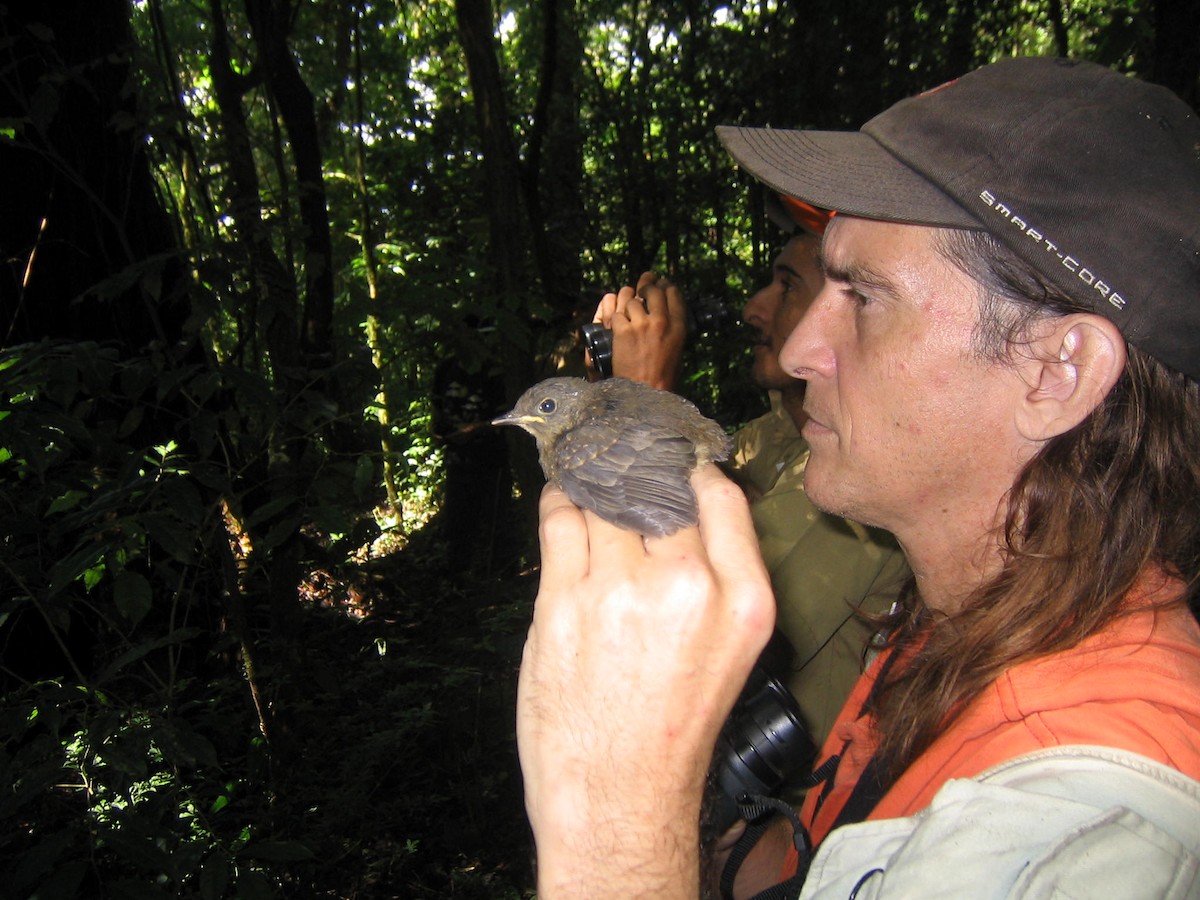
950,563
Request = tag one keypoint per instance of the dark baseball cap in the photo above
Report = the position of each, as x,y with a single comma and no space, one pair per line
1090,176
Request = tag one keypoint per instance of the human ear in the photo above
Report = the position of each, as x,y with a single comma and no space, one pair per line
1068,368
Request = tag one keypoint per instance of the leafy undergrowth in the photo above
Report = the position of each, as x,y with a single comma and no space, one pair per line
407,782
176,718
390,769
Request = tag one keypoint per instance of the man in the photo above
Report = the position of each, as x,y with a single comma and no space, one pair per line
1002,370
823,568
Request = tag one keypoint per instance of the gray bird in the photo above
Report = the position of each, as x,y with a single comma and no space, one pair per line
620,448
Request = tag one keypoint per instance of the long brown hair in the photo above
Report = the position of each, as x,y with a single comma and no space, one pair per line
1092,511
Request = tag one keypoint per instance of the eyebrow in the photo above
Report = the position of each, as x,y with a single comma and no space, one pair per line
856,273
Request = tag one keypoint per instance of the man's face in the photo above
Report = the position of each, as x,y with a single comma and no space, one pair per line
776,308
907,424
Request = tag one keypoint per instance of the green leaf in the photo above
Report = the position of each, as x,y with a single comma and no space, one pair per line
270,509
132,420
30,785
138,851
133,596
173,536
41,859
128,889
278,533
68,570
41,31
43,105
365,477
67,500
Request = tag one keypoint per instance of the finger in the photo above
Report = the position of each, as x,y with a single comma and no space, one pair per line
655,299
605,311
615,546
630,304
684,543
726,527
646,279
650,288
727,531
676,306
563,537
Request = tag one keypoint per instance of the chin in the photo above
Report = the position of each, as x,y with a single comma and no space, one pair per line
825,497
822,491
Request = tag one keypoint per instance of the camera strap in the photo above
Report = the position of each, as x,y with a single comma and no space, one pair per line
759,813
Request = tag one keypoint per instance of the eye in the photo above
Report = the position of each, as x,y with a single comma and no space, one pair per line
858,298
547,406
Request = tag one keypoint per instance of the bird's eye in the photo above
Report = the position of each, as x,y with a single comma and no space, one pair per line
547,406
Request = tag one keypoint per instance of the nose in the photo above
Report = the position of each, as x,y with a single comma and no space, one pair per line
808,351
758,309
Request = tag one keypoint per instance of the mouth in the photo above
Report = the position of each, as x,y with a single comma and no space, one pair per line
814,423
763,348
512,418
757,339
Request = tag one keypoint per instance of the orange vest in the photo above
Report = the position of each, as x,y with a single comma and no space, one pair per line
1134,686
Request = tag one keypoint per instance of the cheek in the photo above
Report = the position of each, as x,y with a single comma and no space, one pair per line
911,399
927,378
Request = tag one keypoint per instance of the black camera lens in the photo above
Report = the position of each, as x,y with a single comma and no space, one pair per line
769,743
598,341
763,746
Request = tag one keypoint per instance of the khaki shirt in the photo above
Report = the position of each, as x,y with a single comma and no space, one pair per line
822,567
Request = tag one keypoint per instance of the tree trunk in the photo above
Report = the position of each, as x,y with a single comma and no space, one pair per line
554,166
268,24
270,283
80,205
508,234
371,270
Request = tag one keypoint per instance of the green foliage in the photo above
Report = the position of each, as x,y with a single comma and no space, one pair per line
140,767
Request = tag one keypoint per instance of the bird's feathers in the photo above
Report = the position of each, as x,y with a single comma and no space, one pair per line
621,449
631,473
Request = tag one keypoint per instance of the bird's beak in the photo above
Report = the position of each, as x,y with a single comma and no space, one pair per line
512,418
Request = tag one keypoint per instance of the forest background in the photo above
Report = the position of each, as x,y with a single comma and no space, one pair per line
269,267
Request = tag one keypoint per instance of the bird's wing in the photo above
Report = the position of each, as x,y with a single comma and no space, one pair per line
633,474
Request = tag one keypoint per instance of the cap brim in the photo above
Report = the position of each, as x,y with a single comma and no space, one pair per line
846,171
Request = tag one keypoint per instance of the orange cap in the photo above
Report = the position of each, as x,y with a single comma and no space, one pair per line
808,217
